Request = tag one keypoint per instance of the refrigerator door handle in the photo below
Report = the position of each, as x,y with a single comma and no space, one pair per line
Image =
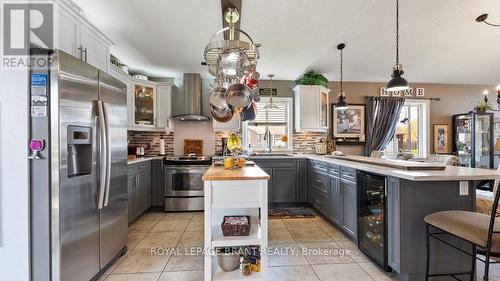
103,154
108,155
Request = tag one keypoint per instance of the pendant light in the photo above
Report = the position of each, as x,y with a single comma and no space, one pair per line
397,83
341,103
271,105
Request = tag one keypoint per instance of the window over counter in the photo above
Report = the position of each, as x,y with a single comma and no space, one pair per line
412,132
278,120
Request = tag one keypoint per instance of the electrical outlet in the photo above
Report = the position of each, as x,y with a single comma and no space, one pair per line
464,188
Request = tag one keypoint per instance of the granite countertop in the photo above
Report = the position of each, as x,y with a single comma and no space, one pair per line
451,173
140,159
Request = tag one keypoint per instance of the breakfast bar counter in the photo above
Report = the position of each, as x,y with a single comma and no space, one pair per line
237,192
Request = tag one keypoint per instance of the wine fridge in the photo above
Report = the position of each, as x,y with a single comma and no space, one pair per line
372,226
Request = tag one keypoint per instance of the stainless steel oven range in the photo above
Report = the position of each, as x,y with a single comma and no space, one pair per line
183,182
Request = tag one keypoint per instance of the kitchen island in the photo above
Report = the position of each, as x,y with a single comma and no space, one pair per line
235,192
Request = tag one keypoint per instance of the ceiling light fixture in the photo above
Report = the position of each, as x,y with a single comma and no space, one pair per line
271,105
397,83
485,93
341,103
498,95
483,18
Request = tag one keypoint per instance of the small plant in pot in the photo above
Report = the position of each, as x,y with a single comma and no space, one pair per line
482,107
312,78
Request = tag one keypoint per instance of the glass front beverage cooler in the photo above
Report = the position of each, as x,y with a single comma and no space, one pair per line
372,224
473,139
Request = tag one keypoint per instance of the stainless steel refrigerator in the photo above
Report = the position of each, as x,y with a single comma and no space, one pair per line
78,169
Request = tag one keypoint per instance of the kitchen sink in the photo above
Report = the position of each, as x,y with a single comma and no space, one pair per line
272,154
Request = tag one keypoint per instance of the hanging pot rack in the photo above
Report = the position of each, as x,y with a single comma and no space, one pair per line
215,48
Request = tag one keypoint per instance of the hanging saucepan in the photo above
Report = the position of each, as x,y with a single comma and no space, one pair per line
217,97
249,113
239,95
221,116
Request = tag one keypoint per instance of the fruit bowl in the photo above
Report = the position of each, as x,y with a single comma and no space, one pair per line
234,162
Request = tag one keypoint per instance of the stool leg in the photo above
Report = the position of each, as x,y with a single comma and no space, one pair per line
473,270
486,266
427,246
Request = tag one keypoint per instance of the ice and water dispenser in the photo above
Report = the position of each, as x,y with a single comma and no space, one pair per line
79,151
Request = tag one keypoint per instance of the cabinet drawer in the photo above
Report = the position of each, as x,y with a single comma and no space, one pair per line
237,193
319,201
348,174
334,170
320,167
320,182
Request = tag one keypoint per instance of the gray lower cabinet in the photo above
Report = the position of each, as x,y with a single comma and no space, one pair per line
335,201
282,187
334,194
302,181
139,189
131,183
157,187
349,207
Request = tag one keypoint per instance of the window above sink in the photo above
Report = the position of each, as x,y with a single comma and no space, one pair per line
277,120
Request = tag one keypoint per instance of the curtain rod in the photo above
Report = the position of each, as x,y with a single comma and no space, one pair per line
416,98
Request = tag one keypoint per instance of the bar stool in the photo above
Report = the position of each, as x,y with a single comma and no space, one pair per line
480,230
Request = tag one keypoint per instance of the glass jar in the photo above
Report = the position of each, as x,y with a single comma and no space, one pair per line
246,268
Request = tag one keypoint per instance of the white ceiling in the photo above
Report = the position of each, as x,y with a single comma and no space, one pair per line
440,41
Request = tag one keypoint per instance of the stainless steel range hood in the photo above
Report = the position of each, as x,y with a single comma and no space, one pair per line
192,99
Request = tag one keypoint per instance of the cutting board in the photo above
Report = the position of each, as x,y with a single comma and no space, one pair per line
393,163
193,146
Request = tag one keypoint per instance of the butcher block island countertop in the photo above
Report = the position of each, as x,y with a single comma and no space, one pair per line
216,173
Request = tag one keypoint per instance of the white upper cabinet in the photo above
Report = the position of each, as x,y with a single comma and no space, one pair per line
164,103
144,104
67,33
311,108
94,51
76,36
149,103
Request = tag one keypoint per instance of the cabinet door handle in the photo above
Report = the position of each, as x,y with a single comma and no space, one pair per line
81,51
85,51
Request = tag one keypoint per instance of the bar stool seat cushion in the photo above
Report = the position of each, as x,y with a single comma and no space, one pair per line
469,226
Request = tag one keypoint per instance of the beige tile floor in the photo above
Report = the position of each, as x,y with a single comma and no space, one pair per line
184,230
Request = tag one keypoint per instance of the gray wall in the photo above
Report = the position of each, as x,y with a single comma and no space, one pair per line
455,98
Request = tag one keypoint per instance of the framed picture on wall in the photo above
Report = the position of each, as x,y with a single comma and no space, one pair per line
442,138
349,123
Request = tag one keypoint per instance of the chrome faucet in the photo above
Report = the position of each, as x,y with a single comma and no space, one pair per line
268,139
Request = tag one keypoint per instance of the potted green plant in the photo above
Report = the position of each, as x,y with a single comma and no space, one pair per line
312,78
482,107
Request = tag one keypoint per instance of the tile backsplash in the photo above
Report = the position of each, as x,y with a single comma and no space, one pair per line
212,144
194,130
304,142
151,140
